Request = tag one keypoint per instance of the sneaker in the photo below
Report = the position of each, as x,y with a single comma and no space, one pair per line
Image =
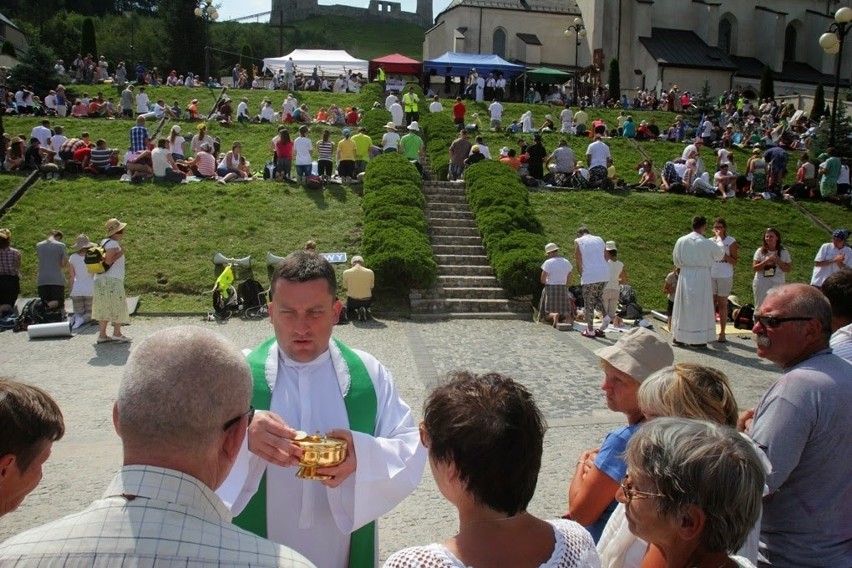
362,314
605,323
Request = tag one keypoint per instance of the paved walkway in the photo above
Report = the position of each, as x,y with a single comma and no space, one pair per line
559,367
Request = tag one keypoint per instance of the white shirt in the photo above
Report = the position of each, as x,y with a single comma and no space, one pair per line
302,147
390,100
116,270
307,516
397,115
592,256
841,342
42,133
598,153
84,281
828,252
142,103
242,109
172,521
266,113
566,116
496,110
436,106
723,268
557,268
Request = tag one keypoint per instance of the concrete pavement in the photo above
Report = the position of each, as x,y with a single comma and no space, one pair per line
559,368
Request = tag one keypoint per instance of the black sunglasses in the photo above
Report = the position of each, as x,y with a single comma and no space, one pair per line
232,421
773,322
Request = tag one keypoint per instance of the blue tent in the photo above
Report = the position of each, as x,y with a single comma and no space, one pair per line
460,64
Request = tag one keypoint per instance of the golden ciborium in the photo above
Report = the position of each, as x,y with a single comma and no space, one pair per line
318,451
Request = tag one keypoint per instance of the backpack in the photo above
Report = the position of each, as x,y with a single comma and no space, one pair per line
626,295
744,317
251,293
313,182
34,313
94,258
222,306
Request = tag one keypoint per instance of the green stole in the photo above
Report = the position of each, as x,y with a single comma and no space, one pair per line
361,404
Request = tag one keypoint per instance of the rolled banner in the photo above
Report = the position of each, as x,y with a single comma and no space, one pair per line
46,330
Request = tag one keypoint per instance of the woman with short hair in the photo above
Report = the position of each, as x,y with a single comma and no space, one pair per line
485,437
693,490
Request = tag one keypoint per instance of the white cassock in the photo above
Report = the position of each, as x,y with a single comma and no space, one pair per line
480,89
306,515
692,319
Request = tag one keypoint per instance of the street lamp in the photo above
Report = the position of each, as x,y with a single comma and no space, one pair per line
207,12
832,43
577,31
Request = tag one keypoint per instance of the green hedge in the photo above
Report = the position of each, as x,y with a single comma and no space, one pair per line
395,240
511,233
439,131
374,120
370,94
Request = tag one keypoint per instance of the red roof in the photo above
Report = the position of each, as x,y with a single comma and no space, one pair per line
396,64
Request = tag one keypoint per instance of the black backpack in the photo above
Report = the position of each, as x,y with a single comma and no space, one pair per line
251,293
34,313
744,317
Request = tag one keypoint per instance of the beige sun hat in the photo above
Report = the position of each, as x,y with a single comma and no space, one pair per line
81,243
640,354
113,226
390,126
610,245
550,247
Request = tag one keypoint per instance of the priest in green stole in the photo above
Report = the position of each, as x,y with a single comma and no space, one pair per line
305,380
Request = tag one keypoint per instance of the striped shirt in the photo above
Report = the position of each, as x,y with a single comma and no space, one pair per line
148,516
325,150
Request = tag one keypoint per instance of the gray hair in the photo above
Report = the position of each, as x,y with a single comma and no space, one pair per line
807,302
694,462
179,388
689,391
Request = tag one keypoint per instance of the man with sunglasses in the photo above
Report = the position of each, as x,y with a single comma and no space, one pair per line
804,426
182,412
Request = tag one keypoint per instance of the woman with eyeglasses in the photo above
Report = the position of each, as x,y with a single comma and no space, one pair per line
686,391
693,490
771,262
485,437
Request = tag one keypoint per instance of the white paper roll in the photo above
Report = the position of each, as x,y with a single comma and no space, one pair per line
45,330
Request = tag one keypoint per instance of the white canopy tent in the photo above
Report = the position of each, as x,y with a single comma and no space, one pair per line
329,62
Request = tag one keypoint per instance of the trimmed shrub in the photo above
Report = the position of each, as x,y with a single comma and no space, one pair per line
374,121
418,90
370,94
439,132
395,236
518,271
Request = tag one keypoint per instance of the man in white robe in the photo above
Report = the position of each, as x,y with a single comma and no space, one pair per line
309,376
693,321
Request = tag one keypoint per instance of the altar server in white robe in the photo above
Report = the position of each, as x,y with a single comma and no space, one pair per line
693,322
311,382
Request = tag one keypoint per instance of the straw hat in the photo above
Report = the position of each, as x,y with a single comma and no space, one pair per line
81,243
640,354
550,247
390,126
113,226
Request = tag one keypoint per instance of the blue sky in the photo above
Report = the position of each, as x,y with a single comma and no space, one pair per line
230,9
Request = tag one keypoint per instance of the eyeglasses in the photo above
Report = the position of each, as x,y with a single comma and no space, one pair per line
631,493
772,322
232,421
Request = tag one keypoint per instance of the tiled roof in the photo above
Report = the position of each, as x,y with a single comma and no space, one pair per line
683,48
793,72
547,6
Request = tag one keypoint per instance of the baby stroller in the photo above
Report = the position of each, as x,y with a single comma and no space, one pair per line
226,300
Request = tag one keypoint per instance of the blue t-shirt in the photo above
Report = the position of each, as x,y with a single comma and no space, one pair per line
610,460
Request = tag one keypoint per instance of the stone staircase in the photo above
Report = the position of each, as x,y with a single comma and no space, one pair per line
466,286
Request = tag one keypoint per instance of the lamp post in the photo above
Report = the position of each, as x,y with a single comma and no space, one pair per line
578,32
832,43
207,12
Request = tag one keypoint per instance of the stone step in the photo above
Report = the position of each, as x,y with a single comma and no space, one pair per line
461,259
434,207
486,305
454,231
448,281
458,249
448,214
445,222
470,315
473,240
443,186
465,270
474,293
438,197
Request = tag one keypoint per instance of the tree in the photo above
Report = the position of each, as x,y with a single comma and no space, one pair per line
842,133
614,80
246,61
36,69
703,104
818,110
185,33
88,43
767,86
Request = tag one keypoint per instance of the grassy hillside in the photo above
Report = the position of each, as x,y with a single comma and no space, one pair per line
368,39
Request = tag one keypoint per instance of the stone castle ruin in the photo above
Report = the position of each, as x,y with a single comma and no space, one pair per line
378,10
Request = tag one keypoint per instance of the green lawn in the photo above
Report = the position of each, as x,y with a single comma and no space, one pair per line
646,226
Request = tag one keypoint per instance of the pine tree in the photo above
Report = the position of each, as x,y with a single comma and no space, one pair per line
36,68
88,43
614,80
842,133
818,110
703,103
767,86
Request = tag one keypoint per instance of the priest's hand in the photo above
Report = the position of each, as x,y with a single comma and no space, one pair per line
340,472
270,438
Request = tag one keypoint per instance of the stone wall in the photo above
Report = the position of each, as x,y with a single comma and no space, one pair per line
379,10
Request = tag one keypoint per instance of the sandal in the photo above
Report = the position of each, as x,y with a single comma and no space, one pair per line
106,339
121,339
587,333
600,333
